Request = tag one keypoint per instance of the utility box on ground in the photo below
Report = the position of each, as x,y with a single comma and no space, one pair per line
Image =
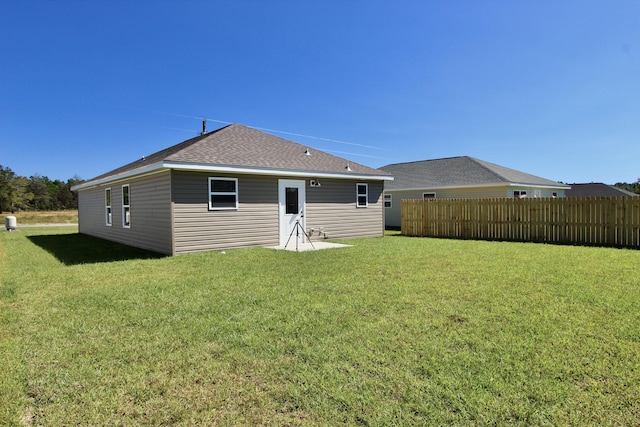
10,223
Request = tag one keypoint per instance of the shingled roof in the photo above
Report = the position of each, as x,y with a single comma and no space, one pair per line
240,148
458,172
597,189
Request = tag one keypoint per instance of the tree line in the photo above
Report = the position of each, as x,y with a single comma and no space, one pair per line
36,193
634,187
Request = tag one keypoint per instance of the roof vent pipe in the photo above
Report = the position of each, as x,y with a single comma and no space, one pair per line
204,126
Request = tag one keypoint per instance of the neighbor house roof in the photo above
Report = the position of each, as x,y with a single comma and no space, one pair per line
463,171
596,189
241,149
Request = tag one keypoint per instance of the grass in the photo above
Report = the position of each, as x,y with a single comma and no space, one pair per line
44,217
392,331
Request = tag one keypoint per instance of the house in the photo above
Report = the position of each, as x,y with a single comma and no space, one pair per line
459,177
230,188
596,189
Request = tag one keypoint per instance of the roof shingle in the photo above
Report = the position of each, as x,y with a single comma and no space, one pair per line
242,146
456,172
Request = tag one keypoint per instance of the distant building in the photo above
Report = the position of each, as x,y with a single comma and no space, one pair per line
459,177
597,189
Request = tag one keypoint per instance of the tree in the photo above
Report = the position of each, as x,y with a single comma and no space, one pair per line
39,186
7,176
14,193
633,187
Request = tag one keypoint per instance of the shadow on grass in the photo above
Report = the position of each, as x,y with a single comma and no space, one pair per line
73,249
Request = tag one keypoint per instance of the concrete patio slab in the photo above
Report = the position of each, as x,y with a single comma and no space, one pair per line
317,246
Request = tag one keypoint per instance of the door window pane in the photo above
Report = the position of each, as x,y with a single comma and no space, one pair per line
291,200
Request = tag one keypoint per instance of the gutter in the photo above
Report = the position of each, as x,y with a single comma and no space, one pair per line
500,184
207,167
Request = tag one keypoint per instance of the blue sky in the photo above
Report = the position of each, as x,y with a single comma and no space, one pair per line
551,88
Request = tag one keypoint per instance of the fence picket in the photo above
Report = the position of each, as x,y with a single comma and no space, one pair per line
611,221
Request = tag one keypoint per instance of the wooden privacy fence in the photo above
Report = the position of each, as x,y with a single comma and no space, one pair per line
604,221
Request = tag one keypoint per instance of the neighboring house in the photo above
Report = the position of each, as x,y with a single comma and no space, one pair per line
233,187
596,189
459,177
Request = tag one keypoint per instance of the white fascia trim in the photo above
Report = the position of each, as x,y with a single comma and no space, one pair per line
500,184
560,186
204,167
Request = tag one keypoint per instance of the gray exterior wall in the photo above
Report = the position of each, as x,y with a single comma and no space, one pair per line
331,207
150,215
170,212
392,215
254,223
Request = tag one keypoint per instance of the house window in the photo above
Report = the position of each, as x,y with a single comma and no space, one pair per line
362,195
519,194
426,196
126,207
554,194
387,201
223,193
107,207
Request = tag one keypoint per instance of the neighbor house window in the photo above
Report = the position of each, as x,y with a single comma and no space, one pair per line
362,195
223,193
107,206
519,194
126,207
426,196
387,201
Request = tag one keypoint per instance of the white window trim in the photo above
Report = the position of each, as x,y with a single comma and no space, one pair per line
366,195
214,193
428,198
126,207
108,211
388,198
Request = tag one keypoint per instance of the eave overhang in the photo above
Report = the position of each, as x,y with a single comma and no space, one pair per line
496,184
207,167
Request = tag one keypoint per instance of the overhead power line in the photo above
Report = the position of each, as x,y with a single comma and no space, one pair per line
260,128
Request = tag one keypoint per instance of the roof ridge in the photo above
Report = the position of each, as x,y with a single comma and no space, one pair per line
425,160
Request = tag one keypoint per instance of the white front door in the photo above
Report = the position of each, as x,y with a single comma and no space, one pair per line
291,200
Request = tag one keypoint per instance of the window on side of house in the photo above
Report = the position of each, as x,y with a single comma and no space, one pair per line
519,194
362,195
107,207
126,206
223,193
426,196
388,201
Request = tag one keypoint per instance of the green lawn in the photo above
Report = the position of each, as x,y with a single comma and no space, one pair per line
391,331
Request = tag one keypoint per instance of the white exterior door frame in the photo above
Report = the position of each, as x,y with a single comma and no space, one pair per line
291,197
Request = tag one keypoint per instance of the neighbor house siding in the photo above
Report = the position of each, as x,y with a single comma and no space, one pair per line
150,214
332,208
196,228
393,218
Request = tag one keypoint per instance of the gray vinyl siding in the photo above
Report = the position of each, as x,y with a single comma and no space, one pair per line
196,228
184,196
150,214
392,215
332,207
